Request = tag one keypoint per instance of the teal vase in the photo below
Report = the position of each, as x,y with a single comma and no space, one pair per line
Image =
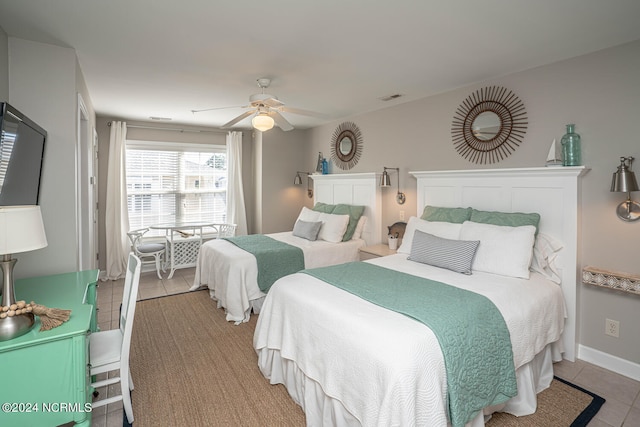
571,150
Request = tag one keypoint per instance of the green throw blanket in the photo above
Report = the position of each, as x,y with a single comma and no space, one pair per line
275,259
473,336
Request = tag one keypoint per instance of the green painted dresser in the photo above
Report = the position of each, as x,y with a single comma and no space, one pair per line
45,375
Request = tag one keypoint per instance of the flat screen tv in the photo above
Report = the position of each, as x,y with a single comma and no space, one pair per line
21,154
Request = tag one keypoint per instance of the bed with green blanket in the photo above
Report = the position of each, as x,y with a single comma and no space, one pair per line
394,342
239,271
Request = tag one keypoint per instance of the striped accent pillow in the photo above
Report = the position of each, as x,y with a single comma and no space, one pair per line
454,255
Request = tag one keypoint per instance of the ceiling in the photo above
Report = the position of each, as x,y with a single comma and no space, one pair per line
160,58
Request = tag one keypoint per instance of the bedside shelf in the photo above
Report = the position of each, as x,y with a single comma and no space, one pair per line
375,251
611,280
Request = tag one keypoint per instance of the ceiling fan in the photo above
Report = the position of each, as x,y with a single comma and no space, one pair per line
266,110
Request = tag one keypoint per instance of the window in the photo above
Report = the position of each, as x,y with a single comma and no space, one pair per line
171,182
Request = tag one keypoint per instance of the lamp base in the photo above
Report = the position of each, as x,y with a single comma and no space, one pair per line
628,211
12,327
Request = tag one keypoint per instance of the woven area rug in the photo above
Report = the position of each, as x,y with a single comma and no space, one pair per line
192,367
562,404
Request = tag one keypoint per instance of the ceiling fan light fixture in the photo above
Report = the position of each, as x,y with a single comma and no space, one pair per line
262,122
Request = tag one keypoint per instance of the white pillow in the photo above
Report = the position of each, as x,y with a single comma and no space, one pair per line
357,233
445,230
333,227
309,215
545,252
503,250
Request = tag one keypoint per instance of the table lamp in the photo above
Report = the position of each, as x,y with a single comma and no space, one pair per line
21,230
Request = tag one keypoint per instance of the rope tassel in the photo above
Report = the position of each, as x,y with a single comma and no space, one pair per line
50,317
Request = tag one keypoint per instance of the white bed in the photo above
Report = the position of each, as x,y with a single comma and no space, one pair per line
349,362
231,273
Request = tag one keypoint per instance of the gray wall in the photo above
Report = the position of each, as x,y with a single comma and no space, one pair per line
43,84
4,66
282,155
601,95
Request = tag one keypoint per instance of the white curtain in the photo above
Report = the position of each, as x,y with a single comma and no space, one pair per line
117,215
236,213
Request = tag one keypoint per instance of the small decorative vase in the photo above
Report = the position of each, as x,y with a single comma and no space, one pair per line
571,150
319,164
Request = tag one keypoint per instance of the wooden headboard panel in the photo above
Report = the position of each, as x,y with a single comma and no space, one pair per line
554,193
353,189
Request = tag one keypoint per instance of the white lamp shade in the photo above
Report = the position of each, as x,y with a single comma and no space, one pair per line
21,229
262,122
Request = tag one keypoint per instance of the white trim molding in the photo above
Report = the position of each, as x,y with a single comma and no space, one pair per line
610,362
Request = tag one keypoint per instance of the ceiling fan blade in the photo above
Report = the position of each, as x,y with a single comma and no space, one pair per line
281,121
237,119
219,108
265,99
303,112
273,102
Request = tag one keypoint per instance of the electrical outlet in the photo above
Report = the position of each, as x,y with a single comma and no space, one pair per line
401,215
612,328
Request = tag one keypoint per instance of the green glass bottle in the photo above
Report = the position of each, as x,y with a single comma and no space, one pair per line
571,150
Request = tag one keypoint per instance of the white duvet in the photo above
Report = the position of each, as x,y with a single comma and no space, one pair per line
231,273
382,367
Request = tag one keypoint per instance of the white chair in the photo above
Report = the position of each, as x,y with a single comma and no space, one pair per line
145,251
226,230
109,350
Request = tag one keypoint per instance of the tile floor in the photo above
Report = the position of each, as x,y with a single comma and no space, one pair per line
622,394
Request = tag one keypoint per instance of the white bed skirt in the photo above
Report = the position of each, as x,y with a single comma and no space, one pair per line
323,410
231,273
255,305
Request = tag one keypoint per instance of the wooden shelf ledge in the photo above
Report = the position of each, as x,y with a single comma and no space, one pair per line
612,280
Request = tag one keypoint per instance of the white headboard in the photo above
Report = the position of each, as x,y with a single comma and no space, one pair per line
553,192
353,189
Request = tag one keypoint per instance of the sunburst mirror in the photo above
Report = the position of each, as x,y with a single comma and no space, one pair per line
489,125
346,145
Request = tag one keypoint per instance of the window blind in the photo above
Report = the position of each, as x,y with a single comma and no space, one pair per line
170,184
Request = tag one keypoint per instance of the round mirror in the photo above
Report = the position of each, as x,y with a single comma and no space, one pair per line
489,125
486,126
346,145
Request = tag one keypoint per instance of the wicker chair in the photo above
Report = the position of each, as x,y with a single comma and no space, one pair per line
226,230
146,251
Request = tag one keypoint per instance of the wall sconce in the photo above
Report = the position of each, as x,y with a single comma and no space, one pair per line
298,181
624,181
385,181
21,230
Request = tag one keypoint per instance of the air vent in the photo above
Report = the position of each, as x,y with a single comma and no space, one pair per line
160,119
390,97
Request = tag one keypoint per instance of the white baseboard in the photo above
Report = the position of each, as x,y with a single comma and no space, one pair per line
610,362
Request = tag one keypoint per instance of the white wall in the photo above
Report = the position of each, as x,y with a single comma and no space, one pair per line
601,95
42,85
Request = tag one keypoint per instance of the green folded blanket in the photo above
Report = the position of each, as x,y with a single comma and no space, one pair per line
473,336
275,259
